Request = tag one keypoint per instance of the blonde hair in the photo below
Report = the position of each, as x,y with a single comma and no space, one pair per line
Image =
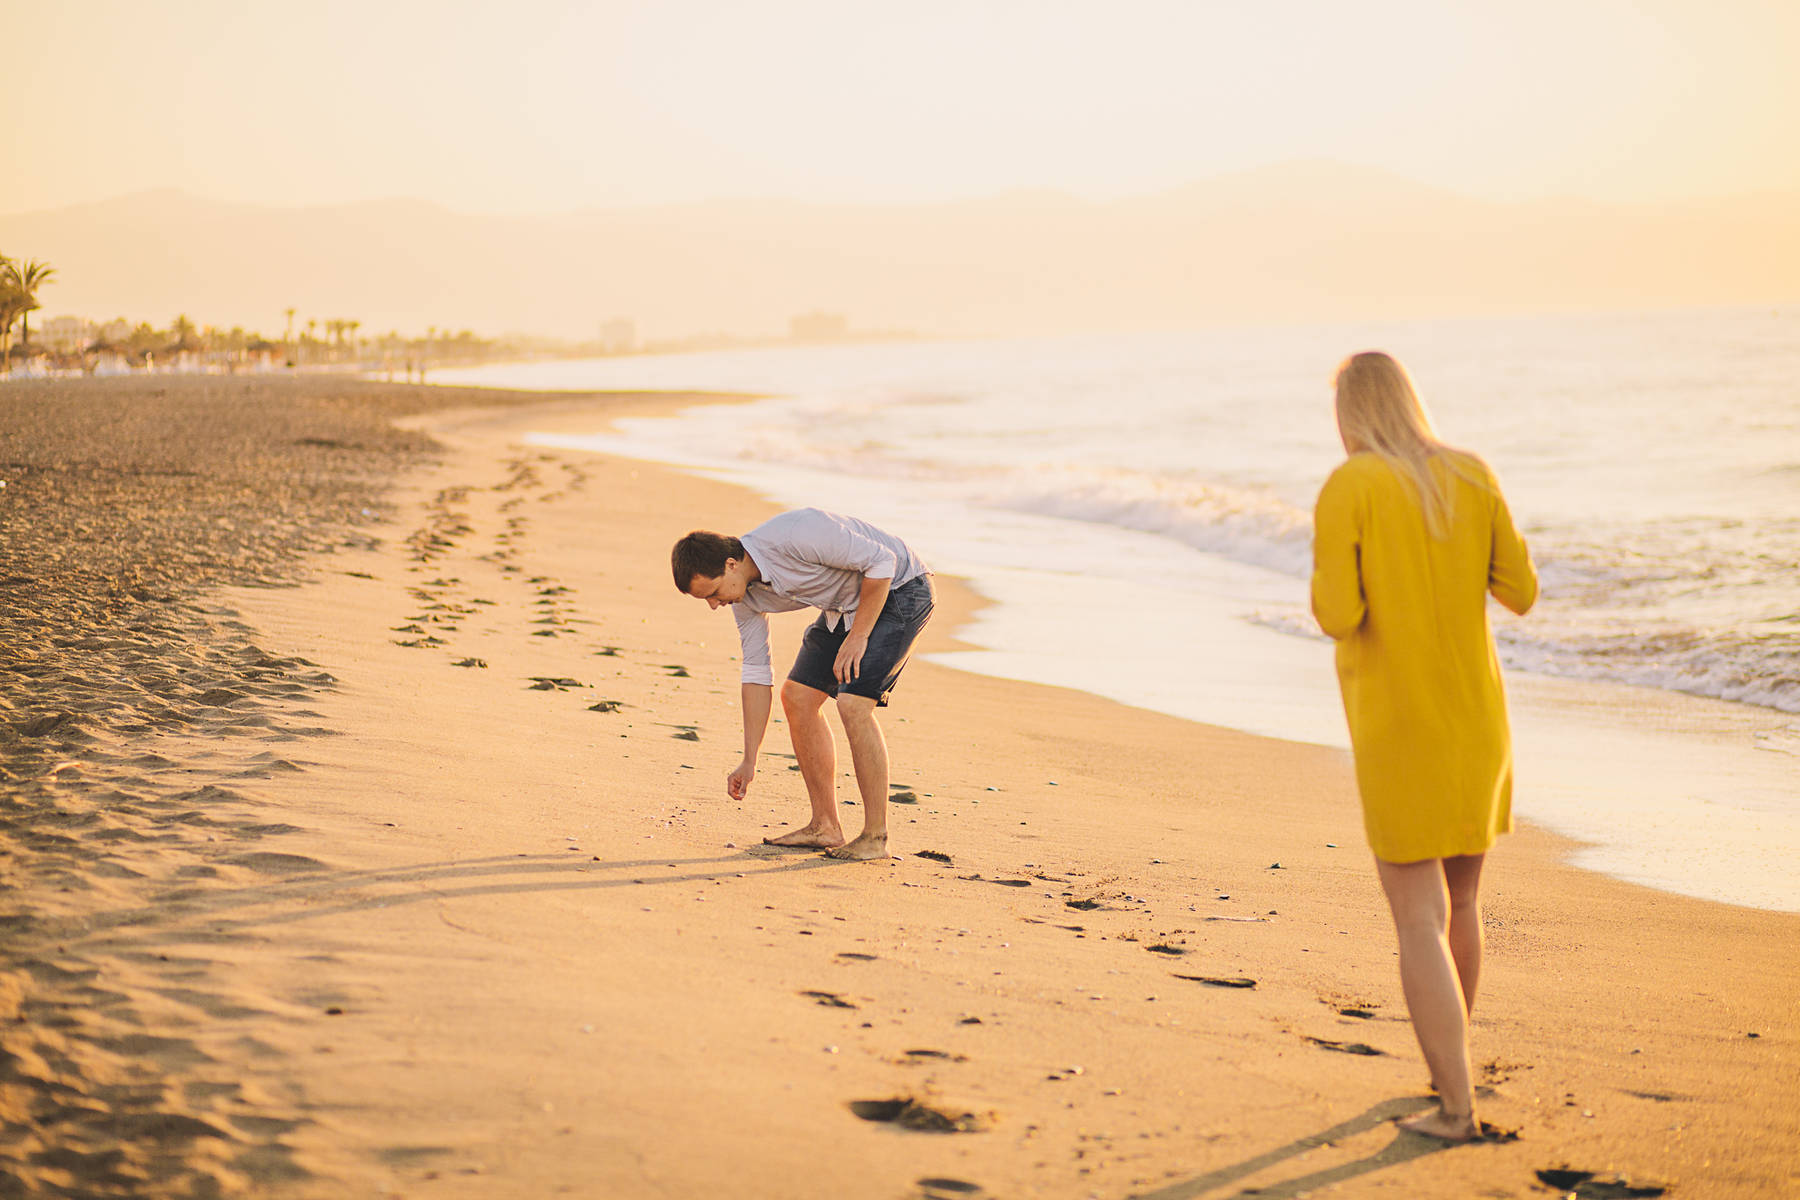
1379,410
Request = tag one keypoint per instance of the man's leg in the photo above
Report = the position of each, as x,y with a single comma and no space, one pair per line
817,753
868,754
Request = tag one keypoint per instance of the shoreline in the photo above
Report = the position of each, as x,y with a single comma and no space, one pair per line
553,966
1688,794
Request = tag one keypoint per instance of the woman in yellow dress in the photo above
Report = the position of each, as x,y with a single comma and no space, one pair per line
1409,537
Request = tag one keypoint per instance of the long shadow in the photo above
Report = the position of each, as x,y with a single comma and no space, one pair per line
1404,1148
208,903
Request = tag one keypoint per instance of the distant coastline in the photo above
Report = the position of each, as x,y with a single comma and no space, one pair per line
1299,242
73,348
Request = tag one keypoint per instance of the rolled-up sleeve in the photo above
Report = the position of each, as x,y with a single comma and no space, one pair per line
1338,603
753,636
853,551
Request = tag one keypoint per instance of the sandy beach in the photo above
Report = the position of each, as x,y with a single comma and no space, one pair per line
364,833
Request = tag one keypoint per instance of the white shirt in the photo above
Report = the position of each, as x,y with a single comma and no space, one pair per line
810,558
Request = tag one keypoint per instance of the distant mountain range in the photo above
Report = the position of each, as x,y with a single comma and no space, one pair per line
1304,241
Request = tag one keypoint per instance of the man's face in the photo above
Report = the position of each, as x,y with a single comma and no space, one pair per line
722,589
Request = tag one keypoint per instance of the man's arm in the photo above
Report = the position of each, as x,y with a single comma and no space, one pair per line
871,599
756,723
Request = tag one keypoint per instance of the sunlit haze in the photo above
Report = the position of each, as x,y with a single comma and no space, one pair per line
550,105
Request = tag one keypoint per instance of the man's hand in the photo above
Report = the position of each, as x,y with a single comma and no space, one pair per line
850,656
737,784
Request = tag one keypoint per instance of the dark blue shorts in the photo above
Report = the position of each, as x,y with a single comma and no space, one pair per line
907,609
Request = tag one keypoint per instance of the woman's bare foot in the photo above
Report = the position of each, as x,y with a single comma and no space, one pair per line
866,846
1444,1125
811,836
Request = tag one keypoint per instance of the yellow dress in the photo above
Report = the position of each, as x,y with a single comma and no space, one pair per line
1415,657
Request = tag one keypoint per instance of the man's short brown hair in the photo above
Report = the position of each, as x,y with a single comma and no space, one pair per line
702,553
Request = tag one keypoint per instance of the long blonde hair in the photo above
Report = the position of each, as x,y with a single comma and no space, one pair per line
1379,410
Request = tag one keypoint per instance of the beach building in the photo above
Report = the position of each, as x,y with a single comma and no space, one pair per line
818,327
65,335
618,336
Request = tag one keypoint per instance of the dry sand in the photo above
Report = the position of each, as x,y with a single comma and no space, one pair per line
420,879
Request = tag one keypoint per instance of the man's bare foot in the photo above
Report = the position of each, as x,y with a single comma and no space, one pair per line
1444,1125
810,836
866,846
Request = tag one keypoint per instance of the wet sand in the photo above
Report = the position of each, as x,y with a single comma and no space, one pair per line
364,833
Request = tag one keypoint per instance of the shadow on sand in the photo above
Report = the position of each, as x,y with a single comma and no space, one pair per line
311,890
1404,1148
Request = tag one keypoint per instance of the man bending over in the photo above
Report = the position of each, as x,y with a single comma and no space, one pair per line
873,594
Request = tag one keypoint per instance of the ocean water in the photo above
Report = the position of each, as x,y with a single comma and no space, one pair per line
1139,510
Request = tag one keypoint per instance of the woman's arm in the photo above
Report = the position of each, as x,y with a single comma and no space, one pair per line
1337,592
1511,576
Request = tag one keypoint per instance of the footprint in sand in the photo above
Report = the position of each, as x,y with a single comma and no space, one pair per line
553,683
1586,1185
941,1188
1361,1048
1501,1133
1222,981
922,1055
909,1113
1494,1071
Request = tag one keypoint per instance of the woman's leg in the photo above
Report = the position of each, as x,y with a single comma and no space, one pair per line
1463,875
1419,900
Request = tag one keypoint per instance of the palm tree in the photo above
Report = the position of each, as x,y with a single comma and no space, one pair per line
9,312
19,282
26,278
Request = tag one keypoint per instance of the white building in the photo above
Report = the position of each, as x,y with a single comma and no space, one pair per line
64,335
819,327
618,336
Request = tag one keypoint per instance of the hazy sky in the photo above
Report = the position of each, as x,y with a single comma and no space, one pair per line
548,105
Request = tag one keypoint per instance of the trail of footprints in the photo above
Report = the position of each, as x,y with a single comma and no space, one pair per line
444,605
105,846
447,605
175,1091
